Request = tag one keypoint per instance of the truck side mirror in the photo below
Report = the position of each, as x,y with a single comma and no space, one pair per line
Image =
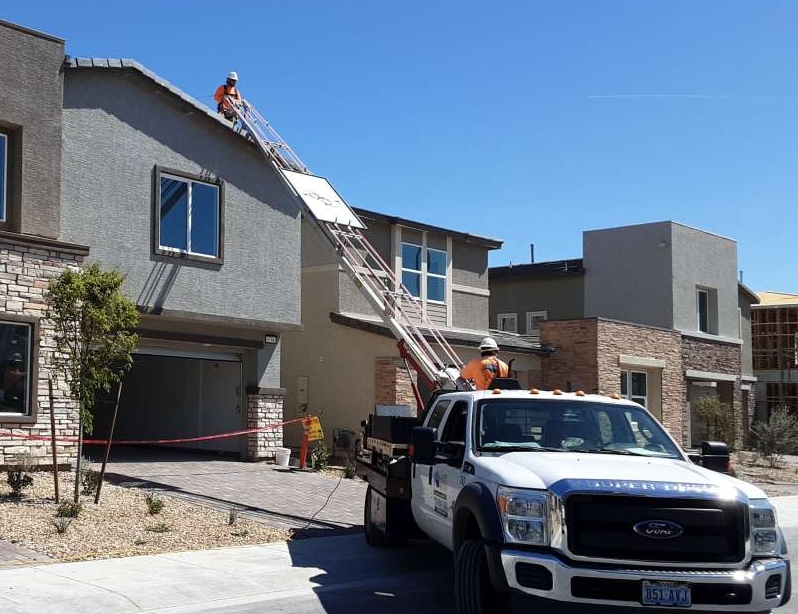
715,456
422,445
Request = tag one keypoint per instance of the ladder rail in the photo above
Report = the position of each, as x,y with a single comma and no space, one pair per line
396,306
408,332
406,296
433,329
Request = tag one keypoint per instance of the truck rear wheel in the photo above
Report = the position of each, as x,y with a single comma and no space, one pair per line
375,537
474,592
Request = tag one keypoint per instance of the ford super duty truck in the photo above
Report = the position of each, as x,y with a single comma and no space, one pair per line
573,502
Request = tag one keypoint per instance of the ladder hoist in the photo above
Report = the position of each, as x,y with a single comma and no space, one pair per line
421,344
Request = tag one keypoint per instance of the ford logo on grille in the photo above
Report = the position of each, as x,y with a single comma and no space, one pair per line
658,529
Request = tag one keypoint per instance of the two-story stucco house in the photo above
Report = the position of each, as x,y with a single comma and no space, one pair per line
653,312
345,360
106,154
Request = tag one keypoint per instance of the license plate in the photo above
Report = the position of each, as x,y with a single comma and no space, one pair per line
671,594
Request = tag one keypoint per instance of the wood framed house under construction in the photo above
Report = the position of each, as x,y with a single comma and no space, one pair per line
774,323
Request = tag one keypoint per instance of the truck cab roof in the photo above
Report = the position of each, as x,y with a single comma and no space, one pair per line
535,394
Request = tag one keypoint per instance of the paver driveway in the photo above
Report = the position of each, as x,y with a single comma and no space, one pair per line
284,497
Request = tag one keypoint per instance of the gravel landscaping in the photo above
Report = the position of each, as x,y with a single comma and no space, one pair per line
775,481
120,525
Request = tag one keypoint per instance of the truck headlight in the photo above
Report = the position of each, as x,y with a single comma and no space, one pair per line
524,515
764,529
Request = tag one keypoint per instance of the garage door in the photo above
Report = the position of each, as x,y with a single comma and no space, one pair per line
179,393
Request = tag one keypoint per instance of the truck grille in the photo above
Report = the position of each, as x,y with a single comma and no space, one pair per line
602,527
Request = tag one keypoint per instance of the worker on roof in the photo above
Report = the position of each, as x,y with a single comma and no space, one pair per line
228,95
481,371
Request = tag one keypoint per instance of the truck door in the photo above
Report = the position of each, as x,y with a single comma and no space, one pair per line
447,473
422,502
436,486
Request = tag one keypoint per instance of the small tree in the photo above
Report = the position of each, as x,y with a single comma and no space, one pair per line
776,436
94,337
718,419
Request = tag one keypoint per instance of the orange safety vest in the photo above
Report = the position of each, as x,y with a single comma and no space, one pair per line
482,371
221,92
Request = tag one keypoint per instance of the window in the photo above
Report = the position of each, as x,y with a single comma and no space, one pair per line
634,386
411,268
436,275
507,322
189,215
16,350
533,320
3,175
437,414
702,307
455,427
413,273
508,425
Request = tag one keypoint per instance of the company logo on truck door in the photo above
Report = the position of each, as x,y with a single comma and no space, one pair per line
658,529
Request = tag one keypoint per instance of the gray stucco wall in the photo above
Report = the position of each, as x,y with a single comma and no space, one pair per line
469,311
710,261
469,265
118,126
628,274
744,303
561,297
31,91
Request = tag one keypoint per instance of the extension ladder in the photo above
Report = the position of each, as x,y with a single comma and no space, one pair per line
419,338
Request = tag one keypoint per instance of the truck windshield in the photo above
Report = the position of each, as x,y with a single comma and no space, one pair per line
569,426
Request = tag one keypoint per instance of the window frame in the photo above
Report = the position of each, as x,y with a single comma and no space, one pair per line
531,314
627,375
4,193
698,293
425,258
500,316
172,252
31,417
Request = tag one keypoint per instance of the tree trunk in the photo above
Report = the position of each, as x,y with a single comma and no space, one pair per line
79,463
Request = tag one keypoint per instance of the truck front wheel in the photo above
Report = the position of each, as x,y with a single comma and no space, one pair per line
474,592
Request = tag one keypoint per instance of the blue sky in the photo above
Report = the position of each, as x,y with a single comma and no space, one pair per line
528,121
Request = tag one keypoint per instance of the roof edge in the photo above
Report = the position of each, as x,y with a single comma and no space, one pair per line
488,242
125,63
32,32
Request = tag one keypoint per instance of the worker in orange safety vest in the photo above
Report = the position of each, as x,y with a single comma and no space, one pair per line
482,370
225,94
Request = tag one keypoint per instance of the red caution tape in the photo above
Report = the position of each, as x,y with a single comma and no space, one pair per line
142,442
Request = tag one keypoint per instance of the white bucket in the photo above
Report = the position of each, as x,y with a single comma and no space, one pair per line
282,456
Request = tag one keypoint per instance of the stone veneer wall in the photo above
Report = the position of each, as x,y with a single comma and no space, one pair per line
392,384
617,338
718,357
25,270
264,408
575,357
587,356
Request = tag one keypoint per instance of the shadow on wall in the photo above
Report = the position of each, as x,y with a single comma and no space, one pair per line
158,285
140,103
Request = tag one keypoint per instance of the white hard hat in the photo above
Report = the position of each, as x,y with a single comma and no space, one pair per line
233,75
488,343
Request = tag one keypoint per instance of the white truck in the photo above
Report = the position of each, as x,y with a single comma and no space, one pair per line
573,502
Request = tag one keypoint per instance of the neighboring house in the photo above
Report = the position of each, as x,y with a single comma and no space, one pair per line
653,312
203,229
775,342
345,361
